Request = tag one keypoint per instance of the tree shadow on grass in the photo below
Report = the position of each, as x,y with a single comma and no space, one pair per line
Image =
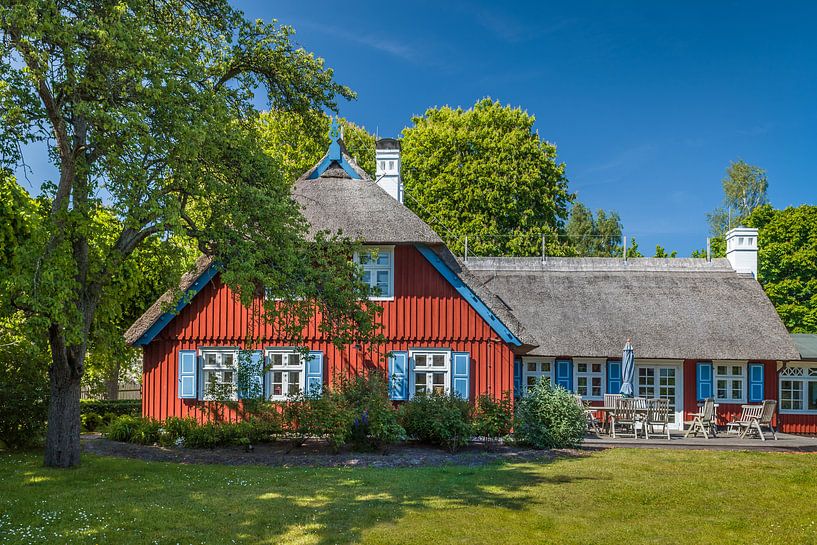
126,501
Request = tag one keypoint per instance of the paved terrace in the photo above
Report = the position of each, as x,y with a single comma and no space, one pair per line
784,443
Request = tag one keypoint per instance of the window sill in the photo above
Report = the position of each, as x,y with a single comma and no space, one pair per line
382,298
799,411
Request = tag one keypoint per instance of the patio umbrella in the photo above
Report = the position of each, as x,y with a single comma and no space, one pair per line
627,370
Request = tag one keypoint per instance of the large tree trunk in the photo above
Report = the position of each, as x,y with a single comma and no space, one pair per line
62,438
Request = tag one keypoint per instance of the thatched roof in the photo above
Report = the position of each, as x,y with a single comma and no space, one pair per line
359,208
166,302
671,308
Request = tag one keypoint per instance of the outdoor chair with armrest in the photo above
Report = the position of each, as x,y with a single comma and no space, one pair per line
755,424
703,421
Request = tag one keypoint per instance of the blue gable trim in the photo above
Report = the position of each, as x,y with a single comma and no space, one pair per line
475,302
162,322
335,154
344,164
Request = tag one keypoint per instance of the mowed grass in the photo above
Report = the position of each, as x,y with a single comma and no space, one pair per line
615,496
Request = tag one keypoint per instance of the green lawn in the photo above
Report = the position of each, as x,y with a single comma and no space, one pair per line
615,496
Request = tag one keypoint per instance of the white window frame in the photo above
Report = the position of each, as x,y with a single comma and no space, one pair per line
538,373
374,268
220,368
730,377
590,375
429,370
285,369
801,374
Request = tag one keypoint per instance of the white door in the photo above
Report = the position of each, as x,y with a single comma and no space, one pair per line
664,382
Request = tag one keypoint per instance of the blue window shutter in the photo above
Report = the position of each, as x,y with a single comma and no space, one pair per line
255,382
187,374
398,376
460,373
266,379
703,378
756,382
517,377
314,373
564,374
614,377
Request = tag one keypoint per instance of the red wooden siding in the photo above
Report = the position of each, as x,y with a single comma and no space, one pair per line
787,423
426,312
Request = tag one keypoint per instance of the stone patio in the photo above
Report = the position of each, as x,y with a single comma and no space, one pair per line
785,442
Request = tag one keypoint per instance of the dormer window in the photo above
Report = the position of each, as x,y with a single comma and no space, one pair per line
378,270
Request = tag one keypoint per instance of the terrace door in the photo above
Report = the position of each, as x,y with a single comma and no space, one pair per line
664,382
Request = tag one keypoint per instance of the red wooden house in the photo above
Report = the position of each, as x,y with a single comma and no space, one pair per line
701,328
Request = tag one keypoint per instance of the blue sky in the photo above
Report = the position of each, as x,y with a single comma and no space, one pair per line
646,101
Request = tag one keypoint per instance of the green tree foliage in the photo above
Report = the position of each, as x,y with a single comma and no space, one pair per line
297,142
484,173
632,249
147,109
661,252
744,189
18,213
598,236
787,254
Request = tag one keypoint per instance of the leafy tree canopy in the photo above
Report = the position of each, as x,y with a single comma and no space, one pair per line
147,108
297,143
484,173
787,255
744,189
598,236
661,252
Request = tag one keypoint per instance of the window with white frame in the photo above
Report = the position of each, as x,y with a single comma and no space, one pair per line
730,382
589,380
432,372
378,270
798,389
219,373
286,373
535,370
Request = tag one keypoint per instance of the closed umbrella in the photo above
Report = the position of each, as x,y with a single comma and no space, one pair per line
627,370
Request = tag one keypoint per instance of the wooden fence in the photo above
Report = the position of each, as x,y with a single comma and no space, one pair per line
126,391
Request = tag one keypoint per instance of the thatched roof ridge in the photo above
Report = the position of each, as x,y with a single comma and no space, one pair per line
589,308
358,208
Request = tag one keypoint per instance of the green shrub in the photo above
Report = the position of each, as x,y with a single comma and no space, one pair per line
118,407
438,420
375,421
146,431
493,418
325,417
206,435
549,417
91,421
122,428
23,389
174,431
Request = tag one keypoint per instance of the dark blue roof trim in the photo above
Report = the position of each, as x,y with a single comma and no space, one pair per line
191,292
475,302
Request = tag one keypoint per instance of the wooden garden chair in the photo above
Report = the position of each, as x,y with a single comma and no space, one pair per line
657,416
589,415
703,421
747,412
755,424
624,417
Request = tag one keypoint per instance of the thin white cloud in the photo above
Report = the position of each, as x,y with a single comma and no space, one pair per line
372,41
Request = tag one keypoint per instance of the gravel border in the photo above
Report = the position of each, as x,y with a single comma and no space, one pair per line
317,454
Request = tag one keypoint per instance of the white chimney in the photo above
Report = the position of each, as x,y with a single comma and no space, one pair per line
387,170
741,250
